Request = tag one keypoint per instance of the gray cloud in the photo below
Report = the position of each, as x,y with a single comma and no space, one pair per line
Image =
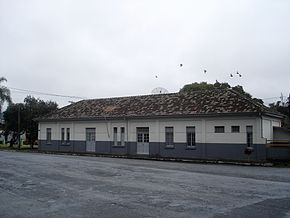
115,48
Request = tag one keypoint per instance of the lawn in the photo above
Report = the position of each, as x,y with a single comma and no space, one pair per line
23,146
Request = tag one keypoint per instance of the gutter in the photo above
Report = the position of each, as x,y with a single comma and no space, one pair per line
151,117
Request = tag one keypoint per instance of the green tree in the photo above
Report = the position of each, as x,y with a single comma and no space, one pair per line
4,93
283,108
35,108
11,122
197,87
217,85
29,110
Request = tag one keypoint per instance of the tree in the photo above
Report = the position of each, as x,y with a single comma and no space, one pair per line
217,85
29,110
35,108
4,93
11,122
283,108
197,87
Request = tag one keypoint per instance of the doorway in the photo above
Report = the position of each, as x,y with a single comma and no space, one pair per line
143,140
90,139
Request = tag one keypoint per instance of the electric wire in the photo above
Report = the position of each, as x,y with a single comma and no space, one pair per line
43,93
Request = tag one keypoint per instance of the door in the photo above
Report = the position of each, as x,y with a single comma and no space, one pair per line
90,139
143,141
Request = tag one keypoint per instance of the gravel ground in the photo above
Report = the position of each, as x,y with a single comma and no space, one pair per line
41,185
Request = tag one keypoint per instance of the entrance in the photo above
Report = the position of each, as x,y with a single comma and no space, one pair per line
143,140
90,139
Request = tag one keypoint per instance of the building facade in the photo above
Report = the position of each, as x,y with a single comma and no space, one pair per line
216,124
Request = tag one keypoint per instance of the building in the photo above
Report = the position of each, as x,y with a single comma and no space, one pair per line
213,124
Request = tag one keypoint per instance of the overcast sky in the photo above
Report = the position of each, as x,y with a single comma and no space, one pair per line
117,48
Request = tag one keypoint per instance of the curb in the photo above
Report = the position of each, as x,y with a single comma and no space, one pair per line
198,161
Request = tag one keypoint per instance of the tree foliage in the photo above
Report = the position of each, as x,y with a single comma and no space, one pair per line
4,93
29,110
217,85
283,108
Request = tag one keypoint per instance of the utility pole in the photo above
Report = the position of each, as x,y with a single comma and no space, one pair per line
19,142
289,110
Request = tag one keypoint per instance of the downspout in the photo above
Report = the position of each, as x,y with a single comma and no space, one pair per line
107,127
127,136
266,150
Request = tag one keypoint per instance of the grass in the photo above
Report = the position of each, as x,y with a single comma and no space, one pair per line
6,146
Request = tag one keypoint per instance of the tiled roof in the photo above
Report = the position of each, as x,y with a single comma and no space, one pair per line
199,103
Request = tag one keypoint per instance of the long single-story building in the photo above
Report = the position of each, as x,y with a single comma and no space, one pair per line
213,124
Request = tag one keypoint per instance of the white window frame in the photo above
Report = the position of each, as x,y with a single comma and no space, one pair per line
115,136
169,137
219,127
67,135
192,143
48,135
232,128
122,136
250,135
62,135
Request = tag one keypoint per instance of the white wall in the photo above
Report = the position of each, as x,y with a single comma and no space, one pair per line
228,136
267,127
204,128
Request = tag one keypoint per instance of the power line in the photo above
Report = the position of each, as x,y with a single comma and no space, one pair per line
274,97
79,97
45,93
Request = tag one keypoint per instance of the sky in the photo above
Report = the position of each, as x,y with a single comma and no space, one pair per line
95,49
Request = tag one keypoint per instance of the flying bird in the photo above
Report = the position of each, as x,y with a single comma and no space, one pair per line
240,75
180,65
231,75
204,71
156,76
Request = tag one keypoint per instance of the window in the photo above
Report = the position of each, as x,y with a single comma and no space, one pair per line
219,129
139,137
48,135
90,134
115,136
190,136
67,135
122,136
62,135
146,137
169,137
249,130
235,129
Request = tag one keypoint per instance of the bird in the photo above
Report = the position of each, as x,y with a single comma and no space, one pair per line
231,75
204,71
156,76
239,74
180,65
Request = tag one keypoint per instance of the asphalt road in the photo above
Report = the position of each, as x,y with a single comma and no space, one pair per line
41,185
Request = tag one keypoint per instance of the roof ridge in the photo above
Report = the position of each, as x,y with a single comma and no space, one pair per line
159,94
257,104
130,96
262,107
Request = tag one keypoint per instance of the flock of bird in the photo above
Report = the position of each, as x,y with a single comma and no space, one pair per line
205,71
231,75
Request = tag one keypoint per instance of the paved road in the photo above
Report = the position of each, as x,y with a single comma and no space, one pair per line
40,185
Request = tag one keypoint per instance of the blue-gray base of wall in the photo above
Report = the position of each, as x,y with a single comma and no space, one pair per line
208,151
278,153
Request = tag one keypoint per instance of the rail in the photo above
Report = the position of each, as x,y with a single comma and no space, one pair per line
278,143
